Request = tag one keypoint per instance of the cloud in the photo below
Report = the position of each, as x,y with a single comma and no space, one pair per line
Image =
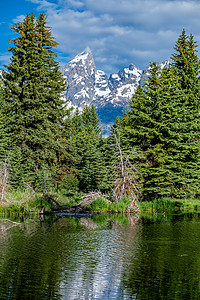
43,4
120,32
19,19
4,59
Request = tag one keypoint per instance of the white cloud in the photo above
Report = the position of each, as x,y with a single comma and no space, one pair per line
19,19
43,4
4,59
120,32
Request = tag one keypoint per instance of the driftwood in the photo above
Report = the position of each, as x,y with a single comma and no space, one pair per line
32,190
89,198
81,207
4,178
41,208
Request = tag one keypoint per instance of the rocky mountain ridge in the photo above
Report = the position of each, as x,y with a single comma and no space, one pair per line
110,95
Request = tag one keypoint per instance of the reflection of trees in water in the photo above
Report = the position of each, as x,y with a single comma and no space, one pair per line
30,267
68,259
166,264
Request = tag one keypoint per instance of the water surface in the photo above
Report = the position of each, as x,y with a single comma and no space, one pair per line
101,257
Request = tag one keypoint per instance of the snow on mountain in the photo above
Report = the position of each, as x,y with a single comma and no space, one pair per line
80,76
110,96
87,85
146,74
101,85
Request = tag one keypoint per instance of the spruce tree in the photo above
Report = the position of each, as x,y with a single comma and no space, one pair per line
135,122
163,124
87,140
186,62
142,129
158,170
95,121
187,66
33,93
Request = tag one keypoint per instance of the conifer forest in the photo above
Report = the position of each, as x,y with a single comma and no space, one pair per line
153,150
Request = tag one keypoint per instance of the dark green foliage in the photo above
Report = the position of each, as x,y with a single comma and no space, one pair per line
163,124
49,147
137,120
187,156
87,142
186,62
34,107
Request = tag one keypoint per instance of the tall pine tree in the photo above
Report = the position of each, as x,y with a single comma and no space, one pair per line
33,99
164,124
187,66
87,140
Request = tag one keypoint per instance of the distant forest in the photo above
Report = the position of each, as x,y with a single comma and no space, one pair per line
153,150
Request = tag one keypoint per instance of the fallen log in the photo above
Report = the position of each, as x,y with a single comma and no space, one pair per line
51,199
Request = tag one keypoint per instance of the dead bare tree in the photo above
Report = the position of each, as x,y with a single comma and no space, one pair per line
4,178
125,183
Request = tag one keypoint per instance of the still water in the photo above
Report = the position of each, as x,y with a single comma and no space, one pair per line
101,257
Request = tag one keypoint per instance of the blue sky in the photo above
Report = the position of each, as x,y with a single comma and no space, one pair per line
119,32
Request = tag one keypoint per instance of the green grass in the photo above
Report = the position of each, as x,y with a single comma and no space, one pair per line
26,202
120,206
164,204
22,202
102,206
98,206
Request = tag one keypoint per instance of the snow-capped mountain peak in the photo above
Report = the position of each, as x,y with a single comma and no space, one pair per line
82,57
110,96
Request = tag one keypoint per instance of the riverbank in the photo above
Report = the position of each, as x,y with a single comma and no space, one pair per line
22,203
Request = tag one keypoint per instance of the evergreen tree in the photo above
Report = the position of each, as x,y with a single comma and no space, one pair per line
186,62
164,123
158,170
95,121
136,121
141,127
87,140
187,66
33,88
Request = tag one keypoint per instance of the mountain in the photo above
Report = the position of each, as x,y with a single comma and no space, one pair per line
110,95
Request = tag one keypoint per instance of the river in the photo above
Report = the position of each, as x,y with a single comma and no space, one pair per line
101,257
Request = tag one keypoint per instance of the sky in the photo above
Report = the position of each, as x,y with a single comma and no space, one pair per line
118,32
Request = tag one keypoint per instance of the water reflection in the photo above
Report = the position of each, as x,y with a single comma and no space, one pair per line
103,257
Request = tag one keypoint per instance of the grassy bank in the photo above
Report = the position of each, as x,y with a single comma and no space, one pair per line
165,204
21,203
27,202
